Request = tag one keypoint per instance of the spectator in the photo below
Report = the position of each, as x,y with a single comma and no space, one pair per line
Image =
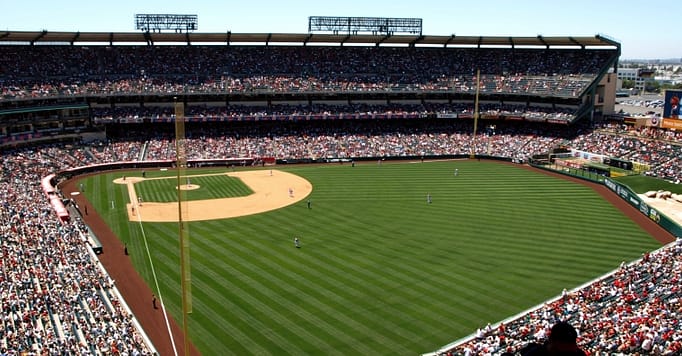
561,342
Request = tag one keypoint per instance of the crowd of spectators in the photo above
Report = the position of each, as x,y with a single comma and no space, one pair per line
56,298
520,111
121,70
328,139
660,149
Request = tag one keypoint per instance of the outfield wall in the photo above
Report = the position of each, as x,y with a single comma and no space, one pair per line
633,199
73,172
392,158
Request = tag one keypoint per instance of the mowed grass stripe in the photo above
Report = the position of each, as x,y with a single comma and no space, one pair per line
256,292
360,269
313,289
239,275
390,267
390,329
305,292
204,325
323,292
267,271
376,254
224,186
255,320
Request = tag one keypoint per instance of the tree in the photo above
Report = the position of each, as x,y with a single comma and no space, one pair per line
671,86
652,86
628,84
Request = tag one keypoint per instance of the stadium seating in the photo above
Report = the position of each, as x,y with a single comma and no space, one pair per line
60,71
50,275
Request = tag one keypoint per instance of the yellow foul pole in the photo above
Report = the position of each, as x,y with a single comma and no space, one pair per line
473,137
183,228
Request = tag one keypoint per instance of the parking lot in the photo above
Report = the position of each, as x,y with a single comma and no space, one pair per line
646,104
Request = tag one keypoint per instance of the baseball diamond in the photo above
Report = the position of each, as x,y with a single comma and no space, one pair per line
270,192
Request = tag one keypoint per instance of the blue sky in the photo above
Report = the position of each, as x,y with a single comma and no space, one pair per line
641,29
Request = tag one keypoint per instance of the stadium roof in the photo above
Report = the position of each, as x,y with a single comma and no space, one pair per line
48,37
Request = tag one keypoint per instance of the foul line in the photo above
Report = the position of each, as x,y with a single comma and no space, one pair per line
156,281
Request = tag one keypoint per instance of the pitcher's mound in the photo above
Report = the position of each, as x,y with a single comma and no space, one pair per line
188,187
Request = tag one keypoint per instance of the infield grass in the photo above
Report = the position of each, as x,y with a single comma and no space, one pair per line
163,189
380,270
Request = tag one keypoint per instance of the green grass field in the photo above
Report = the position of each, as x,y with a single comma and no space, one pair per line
163,190
380,271
641,184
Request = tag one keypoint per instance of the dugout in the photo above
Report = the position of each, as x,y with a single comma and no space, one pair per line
598,168
94,243
619,163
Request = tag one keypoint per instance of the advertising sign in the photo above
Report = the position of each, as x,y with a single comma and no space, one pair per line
671,106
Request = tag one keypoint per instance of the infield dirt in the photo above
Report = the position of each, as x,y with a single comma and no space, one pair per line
272,189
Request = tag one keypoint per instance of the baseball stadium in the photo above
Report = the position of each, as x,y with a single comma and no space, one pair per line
360,189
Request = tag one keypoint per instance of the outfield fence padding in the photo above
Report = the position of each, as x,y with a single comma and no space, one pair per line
633,199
